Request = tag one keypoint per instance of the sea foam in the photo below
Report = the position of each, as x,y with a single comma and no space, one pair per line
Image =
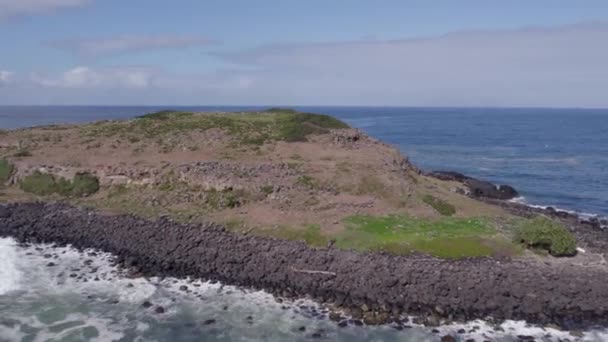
10,275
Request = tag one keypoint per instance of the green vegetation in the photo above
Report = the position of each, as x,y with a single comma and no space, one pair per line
245,128
267,189
441,206
307,182
22,153
545,234
298,126
311,234
163,115
371,185
6,170
44,184
38,183
83,184
447,238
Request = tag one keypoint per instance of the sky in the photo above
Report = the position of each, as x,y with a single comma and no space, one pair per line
478,53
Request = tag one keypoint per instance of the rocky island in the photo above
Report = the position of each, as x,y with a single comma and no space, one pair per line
301,204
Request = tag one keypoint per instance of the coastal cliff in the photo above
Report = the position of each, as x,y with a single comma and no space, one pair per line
219,195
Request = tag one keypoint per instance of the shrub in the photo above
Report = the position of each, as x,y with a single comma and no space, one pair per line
6,170
544,233
299,125
160,115
39,183
44,184
442,207
84,184
267,189
280,110
232,200
22,153
307,181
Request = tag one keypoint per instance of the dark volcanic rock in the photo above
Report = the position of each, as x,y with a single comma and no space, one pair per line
477,188
380,285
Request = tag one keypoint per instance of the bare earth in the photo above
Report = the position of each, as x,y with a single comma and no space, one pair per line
242,170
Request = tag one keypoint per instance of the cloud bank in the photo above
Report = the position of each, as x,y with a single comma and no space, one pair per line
84,77
129,43
5,77
9,8
565,66
551,67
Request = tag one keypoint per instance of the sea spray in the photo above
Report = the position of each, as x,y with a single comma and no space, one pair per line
9,274
56,304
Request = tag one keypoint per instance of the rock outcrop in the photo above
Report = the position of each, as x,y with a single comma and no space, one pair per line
477,188
378,285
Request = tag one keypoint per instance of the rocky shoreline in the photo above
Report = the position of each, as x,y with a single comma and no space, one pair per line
376,288
591,231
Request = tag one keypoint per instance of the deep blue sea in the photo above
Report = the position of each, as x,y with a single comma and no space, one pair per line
554,157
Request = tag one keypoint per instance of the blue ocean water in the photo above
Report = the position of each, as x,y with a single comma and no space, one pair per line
556,157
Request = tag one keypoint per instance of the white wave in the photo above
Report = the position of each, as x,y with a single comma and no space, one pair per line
10,275
564,160
73,325
582,215
480,330
271,317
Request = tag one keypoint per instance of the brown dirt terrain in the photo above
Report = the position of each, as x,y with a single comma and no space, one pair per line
278,173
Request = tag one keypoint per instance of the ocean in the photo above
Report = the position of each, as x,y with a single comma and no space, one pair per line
554,157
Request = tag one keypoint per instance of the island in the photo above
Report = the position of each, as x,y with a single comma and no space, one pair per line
301,205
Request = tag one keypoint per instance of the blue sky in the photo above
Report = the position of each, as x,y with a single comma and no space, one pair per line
419,53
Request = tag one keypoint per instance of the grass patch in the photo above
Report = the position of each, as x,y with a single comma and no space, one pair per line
546,234
84,184
344,167
245,128
44,184
307,182
446,238
267,189
311,234
371,185
163,115
442,207
234,224
6,170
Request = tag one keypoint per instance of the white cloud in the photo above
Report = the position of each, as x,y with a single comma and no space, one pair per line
6,77
9,8
85,77
559,67
563,66
130,43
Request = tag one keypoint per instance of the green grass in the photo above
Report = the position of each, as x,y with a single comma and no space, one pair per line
267,189
38,183
44,184
83,184
446,238
545,234
442,207
311,234
307,182
244,128
6,170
